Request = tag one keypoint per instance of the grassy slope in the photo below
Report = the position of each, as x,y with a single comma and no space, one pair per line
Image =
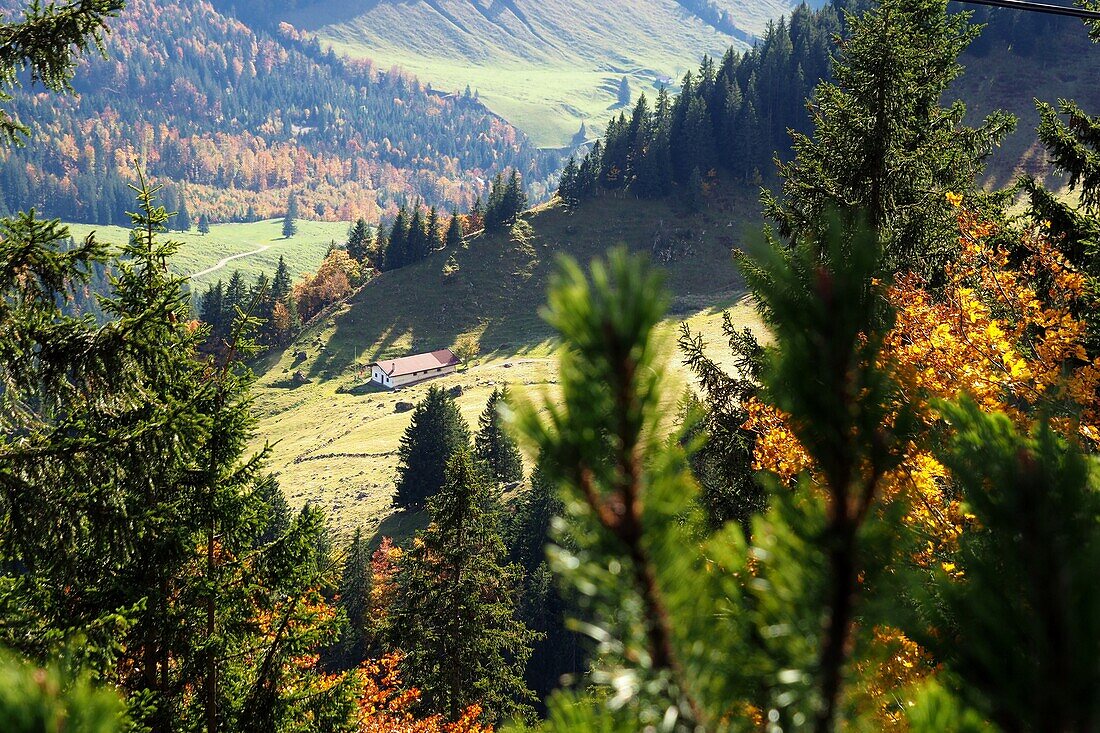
544,66
1063,69
303,252
336,444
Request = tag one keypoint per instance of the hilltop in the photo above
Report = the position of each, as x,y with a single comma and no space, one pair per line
335,438
544,65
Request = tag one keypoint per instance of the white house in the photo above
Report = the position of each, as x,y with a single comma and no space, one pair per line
395,373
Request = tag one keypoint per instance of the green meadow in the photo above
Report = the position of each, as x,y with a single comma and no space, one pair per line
256,247
334,439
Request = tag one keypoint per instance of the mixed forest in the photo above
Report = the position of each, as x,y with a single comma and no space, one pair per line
887,517
234,120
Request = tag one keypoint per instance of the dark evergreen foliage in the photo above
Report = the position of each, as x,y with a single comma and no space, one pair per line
359,241
733,116
1072,139
290,220
507,200
354,598
560,652
883,143
131,469
455,235
493,446
454,614
437,430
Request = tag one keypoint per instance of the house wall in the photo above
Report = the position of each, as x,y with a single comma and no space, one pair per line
380,377
420,376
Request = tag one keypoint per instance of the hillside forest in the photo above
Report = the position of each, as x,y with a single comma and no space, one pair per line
233,120
879,510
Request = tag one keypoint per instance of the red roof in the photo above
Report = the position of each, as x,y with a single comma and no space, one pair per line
418,363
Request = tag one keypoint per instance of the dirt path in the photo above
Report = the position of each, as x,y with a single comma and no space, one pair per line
226,260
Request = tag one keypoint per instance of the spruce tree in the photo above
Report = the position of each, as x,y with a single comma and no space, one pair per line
543,609
495,216
236,298
397,244
883,143
455,234
638,137
204,225
1073,144
359,240
515,198
281,284
354,597
567,184
435,230
133,512
493,446
183,217
290,220
417,247
454,614
47,41
437,430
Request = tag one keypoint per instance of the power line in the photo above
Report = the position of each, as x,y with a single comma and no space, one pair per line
1034,7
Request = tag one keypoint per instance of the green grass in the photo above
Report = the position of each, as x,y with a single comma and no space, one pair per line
545,66
303,252
335,445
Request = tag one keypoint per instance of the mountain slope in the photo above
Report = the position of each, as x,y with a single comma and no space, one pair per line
336,441
545,65
236,118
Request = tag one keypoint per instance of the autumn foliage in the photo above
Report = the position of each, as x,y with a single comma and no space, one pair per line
337,276
1007,331
386,707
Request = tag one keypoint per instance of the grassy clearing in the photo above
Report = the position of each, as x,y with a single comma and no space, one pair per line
544,65
303,252
335,445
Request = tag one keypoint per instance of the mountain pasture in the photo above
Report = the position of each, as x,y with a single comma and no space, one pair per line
334,438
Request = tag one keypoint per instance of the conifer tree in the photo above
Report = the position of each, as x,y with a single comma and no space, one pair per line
693,191
359,240
417,247
397,244
882,142
568,184
236,296
454,614
183,216
1072,143
354,594
435,230
281,284
493,446
212,308
437,430
46,42
455,234
515,198
653,169
141,501
543,609
204,225
290,220
638,136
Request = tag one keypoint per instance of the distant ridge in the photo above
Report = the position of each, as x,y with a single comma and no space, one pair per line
544,65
